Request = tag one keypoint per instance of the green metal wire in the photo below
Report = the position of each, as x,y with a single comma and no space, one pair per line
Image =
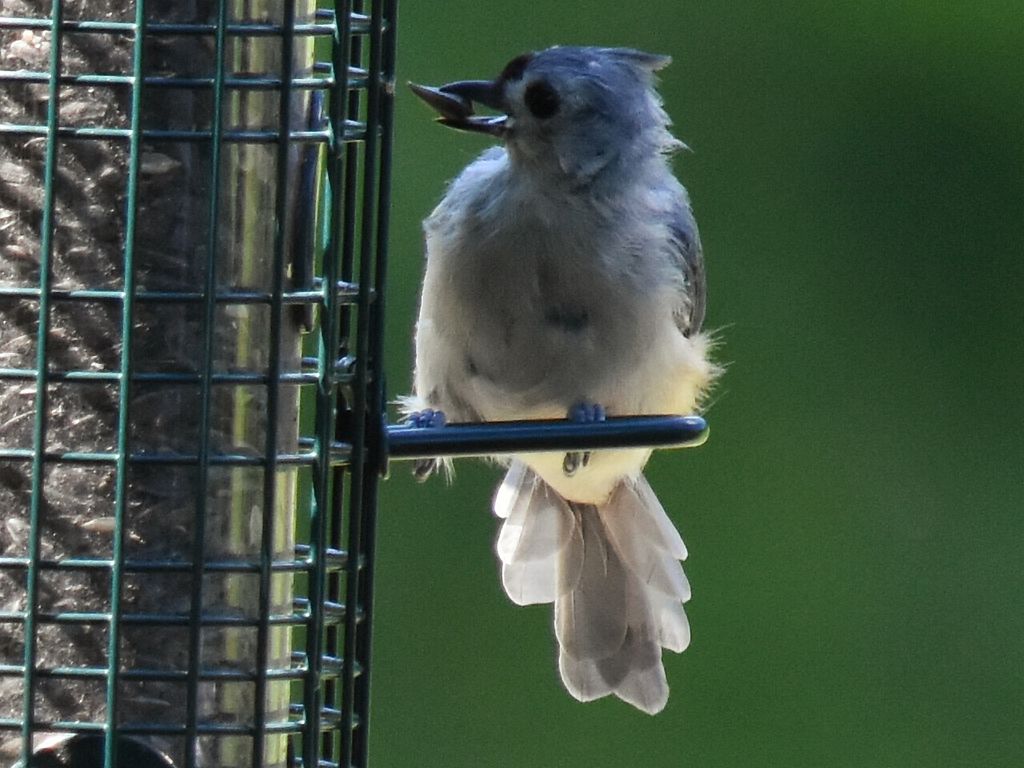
360,403
255,83
273,393
347,53
376,207
359,25
110,746
326,402
199,565
352,132
41,400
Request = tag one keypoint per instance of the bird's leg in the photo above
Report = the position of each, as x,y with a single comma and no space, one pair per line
428,417
583,412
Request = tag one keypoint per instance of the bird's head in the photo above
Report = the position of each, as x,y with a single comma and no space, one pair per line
567,111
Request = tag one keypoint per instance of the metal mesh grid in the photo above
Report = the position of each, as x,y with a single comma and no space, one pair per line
184,560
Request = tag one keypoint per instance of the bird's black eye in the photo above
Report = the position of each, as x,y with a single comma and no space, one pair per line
541,99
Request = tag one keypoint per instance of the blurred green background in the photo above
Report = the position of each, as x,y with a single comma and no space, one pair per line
855,521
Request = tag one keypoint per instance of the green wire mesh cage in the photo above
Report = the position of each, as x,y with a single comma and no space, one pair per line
193,215
194,202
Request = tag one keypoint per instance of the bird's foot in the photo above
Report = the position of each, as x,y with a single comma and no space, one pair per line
583,412
428,417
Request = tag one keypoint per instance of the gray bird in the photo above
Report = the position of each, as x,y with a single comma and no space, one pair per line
565,279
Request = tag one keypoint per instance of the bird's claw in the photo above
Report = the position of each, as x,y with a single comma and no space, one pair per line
428,417
425,419
424,468
573,461
586,412
583,412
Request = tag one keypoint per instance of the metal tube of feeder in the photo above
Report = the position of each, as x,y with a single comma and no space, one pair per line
495,438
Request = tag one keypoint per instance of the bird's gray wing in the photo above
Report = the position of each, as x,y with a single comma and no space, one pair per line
688,257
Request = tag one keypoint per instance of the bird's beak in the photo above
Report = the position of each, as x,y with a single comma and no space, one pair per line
454,103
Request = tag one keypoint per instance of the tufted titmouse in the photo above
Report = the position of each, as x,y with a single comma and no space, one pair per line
564,278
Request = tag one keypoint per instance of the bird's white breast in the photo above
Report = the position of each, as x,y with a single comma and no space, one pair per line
530,306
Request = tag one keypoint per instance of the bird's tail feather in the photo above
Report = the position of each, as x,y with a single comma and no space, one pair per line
613,572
